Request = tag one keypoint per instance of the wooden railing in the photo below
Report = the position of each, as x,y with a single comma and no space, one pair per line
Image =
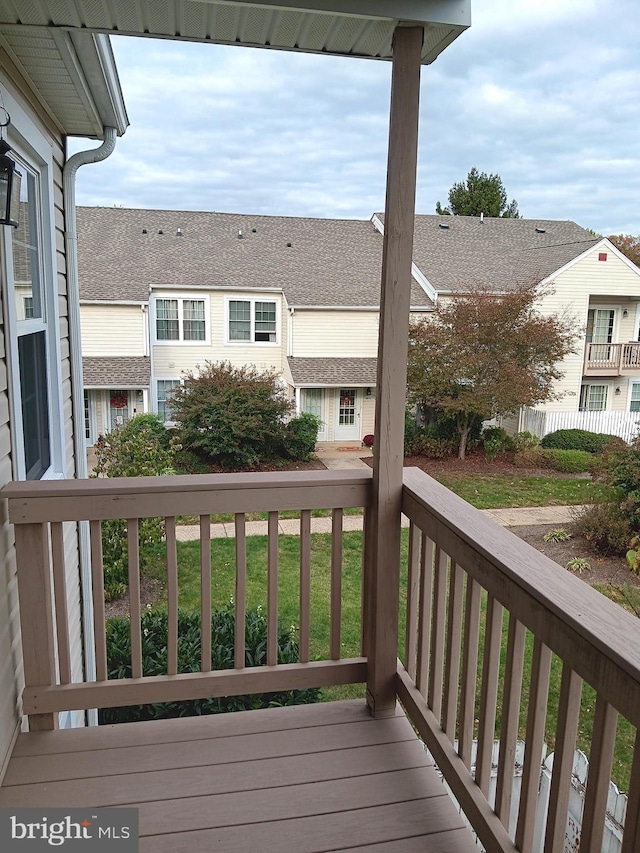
457,683
39,511
479,603
612,359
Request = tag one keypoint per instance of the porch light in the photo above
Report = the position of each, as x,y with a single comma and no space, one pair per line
9,185
617,390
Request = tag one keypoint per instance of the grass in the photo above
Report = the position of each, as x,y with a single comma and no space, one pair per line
510,490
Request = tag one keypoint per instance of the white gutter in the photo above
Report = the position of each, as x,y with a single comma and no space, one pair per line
93,155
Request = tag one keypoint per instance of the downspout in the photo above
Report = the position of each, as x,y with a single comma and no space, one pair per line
81,158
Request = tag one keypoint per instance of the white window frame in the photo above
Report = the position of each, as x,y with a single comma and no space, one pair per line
634,380
33,153
181,298
589,386
614,326
252,333
157,379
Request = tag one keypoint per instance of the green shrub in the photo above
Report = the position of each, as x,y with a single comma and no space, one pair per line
233,417
301,434
135,449
495,440
578,439
565,461
524,441
603,525
154,655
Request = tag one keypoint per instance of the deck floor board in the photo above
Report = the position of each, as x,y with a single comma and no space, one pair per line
305,779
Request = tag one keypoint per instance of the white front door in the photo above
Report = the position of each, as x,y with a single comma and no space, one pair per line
348,414
312,401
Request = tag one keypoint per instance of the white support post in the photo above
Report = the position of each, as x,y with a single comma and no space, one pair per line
392,369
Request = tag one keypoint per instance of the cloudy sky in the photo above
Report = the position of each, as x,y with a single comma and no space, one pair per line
546,93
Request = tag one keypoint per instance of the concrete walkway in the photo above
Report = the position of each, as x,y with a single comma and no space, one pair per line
291,527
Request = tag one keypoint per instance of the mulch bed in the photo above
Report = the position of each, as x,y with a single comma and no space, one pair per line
475,463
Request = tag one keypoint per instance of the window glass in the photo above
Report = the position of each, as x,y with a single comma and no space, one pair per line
600,326
593,398
312,401
167,325
26,253
32,358
265,321
165,387
239,320
347,414
193,320
635,397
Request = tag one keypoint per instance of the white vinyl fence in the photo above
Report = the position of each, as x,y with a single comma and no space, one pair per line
616,802
623,424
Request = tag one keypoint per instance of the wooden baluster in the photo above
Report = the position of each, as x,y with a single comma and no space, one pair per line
60,597
424,625
336,583
536,718
511,696
436,673
272,590
631,837
367,580
133,553
489,693
34,589
172,595
413,581
241,590
603,741
97,583
454,639
469,669
566,732
305,583
205,593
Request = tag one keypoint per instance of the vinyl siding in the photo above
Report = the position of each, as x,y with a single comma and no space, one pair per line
170,360
335,334
11,675
591,283
112,330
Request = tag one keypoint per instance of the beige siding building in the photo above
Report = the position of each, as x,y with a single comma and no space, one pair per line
40,397
301,297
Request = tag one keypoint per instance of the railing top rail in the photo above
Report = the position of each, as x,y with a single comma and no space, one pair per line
598,639
138,497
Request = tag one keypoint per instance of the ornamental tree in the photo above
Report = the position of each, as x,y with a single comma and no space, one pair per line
628,245
482,354
480,193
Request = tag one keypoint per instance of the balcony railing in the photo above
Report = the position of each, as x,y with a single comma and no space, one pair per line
485,617
612,359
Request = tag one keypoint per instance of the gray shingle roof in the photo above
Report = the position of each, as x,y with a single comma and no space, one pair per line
500,253
116,372
333,371
329,261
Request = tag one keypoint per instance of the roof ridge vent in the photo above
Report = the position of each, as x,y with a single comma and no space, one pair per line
444,225
240,234
179,233
540,230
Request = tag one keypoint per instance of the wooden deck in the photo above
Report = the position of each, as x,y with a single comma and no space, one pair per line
306,778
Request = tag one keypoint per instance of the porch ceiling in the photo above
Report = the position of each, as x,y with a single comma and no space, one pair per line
61,47
358,28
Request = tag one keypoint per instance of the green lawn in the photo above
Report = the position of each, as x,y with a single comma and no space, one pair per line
223,582
511,490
